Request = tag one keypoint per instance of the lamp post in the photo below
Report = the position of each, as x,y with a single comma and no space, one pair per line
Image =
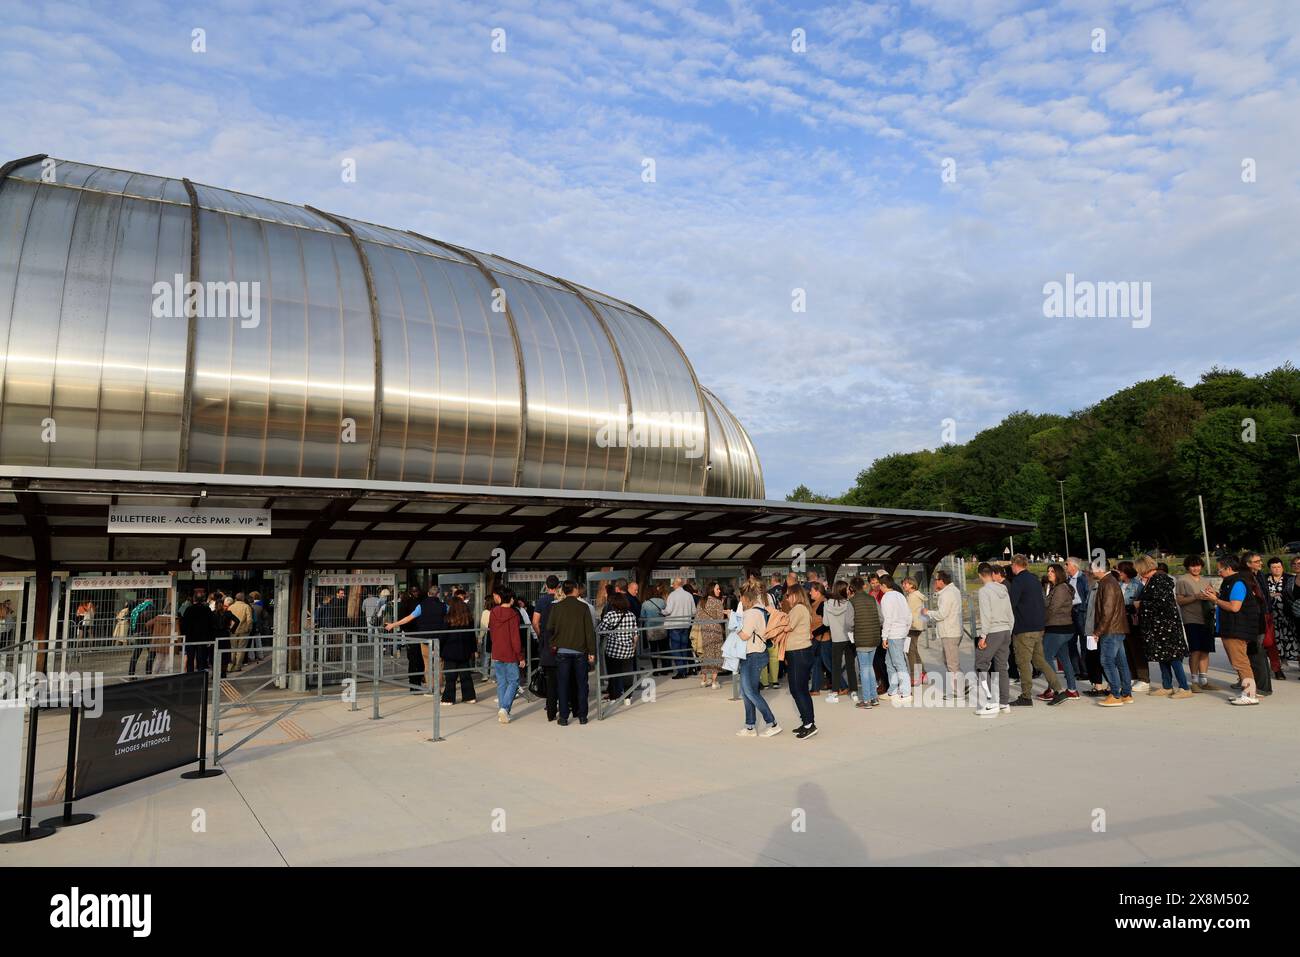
1064,529
1296,436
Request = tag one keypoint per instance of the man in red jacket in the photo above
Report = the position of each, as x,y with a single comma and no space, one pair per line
504,626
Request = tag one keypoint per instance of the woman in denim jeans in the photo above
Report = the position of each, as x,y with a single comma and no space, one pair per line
752,628
1059,629
868,695
799,657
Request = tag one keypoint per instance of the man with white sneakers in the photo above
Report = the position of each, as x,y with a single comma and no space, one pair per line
993,649
895,622
947,620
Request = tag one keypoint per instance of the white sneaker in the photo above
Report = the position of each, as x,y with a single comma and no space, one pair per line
1242,699
1140,686
772,731
1006,708
831,698
987,711
747,733
855,697
503,716
627,702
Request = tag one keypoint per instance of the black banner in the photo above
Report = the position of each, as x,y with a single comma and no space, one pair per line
145,727
41,902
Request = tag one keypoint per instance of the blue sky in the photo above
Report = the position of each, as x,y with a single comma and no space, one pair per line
775,170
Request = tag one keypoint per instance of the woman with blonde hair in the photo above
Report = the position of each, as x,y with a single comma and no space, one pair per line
753,629
799,654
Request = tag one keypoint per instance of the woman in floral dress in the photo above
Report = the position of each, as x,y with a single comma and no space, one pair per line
711,619
1283,626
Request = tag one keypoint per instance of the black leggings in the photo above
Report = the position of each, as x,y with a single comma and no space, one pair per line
618,685
844,658
466,677
148,662
800,664
415,663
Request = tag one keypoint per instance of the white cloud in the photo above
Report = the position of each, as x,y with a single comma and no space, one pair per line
775,170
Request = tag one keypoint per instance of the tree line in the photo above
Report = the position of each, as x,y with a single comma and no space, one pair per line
1135,462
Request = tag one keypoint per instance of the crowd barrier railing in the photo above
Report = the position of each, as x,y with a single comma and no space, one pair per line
346,659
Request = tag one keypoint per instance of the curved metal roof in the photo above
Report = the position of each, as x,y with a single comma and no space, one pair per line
376,354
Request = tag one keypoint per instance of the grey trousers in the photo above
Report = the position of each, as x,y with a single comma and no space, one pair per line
994,657
951,654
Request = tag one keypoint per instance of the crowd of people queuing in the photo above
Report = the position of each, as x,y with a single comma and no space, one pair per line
1084,631
235,624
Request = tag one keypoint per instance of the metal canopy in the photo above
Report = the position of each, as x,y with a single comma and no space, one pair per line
380,524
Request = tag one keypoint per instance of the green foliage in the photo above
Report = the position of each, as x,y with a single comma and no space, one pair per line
804,494
1135,462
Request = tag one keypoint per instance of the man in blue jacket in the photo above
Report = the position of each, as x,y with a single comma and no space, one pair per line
431,613
1030,614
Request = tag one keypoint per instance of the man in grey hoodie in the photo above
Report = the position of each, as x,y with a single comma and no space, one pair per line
994,645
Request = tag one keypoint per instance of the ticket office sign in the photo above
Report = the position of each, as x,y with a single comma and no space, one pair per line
170,520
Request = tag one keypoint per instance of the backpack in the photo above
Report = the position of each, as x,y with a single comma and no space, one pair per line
735,625
778,626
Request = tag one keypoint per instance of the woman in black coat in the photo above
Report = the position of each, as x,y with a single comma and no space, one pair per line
1162,629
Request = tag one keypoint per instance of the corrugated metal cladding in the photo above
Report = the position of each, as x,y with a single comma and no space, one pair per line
487,373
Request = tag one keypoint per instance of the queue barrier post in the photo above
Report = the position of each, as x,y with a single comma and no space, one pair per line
203,771
528,661
377,665
600,698
436,689
25,832
352,658
214,676
67,818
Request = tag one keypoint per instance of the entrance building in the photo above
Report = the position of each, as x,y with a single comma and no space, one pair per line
201,386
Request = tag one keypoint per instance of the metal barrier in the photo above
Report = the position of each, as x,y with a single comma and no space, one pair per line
359,662
664,660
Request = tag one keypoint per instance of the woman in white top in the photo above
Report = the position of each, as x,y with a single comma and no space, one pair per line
752,628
